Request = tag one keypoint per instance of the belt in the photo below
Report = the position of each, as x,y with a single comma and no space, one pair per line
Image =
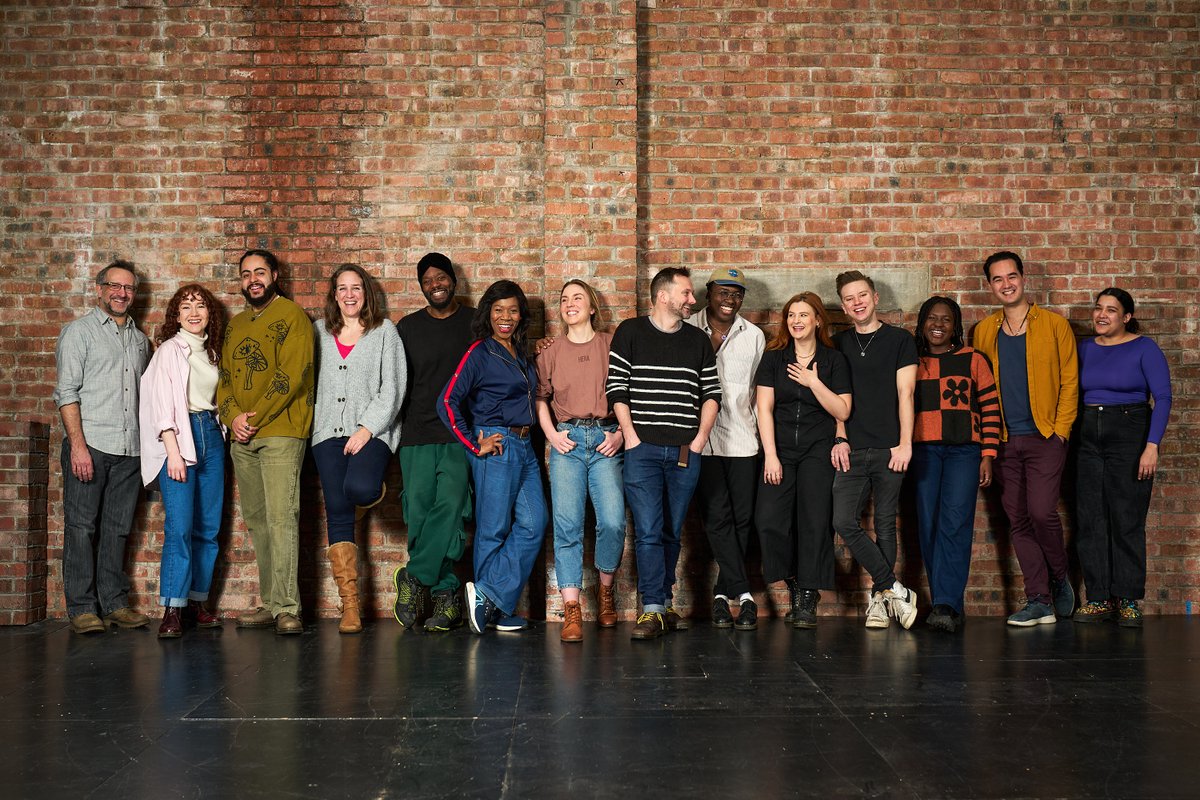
519,431
208,412
1126,407
590,422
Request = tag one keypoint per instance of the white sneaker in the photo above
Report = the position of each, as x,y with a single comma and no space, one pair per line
877,615
903,605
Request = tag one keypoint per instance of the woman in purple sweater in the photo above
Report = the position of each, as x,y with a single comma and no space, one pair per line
1119,371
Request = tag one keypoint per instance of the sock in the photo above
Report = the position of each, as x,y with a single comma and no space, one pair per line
745,596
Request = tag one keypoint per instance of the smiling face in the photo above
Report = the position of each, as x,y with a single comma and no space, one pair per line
349,294
678,297
1007,283
116,292
258,281
438,288
802,322
859,301
505,314
574,306
939,328
1109,318
724,302
193,315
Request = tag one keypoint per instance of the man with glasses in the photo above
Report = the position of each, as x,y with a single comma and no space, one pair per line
100,359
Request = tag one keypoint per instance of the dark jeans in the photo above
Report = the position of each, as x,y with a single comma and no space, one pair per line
793,520
1112,502
869,476
1029,469
947,486
349,481
727,507
97,516
657,493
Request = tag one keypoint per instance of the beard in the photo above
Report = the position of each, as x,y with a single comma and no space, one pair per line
268,295
442,306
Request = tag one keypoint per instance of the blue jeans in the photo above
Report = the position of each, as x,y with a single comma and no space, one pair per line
510,518
658,492
947,485
348,481
573,477
192,517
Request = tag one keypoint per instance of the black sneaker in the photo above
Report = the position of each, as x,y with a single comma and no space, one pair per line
747,618
806,608
409,603
721,618
793,599
943,618
447,612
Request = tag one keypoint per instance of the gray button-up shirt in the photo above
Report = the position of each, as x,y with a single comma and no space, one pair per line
100,364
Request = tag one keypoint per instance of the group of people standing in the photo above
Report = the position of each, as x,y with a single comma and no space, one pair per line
789,436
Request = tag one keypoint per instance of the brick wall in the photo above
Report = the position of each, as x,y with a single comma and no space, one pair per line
545,140
24,473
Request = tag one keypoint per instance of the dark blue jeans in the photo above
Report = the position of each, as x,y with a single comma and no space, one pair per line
348,481
97,516
657,492
947,485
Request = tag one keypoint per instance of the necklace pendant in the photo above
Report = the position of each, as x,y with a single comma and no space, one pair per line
862,353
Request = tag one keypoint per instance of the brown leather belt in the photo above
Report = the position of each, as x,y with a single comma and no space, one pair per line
521,432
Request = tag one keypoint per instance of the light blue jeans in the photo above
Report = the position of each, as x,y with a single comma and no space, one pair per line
574,477
192,517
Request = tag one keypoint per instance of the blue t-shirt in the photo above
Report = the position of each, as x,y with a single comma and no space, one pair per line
1014,385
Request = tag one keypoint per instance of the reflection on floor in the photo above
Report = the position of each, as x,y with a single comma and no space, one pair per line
1055,711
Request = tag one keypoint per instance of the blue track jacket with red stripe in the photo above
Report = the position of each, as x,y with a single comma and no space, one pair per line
489,388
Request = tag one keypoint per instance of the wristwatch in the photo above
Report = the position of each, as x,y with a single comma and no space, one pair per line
840,440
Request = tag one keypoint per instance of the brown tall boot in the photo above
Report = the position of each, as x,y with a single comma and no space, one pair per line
606,617
343,560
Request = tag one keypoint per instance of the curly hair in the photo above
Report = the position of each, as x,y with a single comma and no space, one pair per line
783,337
369,316
216,319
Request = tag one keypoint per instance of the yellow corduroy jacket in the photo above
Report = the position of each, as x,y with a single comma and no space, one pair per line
1053,364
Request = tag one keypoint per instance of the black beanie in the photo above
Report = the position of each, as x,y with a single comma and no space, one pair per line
438,261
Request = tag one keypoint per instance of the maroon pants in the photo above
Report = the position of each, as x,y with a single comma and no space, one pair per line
1029,469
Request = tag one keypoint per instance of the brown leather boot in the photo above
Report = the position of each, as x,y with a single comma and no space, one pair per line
572,627
343,560
607,615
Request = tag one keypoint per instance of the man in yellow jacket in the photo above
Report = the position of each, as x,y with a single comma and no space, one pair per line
1034,357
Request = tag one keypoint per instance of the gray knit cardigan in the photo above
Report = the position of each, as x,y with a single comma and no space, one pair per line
366,388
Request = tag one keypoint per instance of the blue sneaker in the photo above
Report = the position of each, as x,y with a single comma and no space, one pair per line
1034,613
1064,597
480,609
505,623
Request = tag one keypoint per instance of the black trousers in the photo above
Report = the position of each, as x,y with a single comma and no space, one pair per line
726,497
794,520
1111,502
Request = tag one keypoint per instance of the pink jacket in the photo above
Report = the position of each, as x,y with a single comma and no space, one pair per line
164,406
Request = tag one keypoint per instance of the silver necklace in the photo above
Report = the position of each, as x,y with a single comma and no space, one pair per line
862,350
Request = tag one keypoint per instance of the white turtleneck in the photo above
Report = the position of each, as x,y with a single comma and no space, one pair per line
202,376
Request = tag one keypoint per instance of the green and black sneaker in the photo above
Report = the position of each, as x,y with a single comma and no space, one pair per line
447,612
409,602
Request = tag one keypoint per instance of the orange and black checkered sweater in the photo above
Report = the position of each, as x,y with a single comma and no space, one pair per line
956,401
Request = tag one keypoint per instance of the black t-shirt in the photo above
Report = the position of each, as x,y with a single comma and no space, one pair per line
875,358
433,348
800,419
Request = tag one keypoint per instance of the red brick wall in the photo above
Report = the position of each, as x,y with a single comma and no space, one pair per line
545,140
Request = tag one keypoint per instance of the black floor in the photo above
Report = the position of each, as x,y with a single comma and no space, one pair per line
1057,711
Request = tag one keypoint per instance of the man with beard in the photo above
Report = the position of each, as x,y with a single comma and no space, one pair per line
265,394
663,386
434,465
730,465
100,359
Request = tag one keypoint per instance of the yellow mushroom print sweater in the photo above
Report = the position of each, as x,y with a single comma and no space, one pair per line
267,368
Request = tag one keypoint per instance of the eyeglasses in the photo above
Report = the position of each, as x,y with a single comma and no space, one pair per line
119,287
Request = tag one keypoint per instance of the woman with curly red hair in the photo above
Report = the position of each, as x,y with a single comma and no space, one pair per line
183,446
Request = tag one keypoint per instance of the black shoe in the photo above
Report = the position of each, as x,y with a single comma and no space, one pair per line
747,618
793,597
447,612
806,608
721,618
409,603
943,618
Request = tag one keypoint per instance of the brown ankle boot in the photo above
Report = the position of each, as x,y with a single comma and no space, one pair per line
343,560
572,627
607,615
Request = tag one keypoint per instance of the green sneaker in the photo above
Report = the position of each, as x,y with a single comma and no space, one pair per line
409,602
447,612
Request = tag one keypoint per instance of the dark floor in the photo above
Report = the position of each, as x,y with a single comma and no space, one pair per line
1057,711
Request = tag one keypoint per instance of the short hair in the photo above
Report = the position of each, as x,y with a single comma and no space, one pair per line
593,299
1126,301
120,263
481,323
850,276
265,255
369,316
956,336
664,277
782,338
1003,255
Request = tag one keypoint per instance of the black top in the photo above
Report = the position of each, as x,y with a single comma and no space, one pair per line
433,348
800,419
875,358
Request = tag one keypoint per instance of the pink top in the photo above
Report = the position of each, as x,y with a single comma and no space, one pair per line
343,349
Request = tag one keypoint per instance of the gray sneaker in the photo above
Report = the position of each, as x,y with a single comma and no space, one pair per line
1034,613
1064,597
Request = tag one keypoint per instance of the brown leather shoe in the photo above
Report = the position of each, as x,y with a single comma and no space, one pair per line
675,621
650,625
258,618
127,618
572,627
607,615
203,617
87,623
288,624
172,624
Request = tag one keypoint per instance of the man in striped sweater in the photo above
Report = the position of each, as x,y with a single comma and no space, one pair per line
663,386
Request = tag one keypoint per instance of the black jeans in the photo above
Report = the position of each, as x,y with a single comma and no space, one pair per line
869,476
1112,502
793,520
726,498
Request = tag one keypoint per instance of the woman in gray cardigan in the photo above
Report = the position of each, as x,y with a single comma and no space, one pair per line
361,380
